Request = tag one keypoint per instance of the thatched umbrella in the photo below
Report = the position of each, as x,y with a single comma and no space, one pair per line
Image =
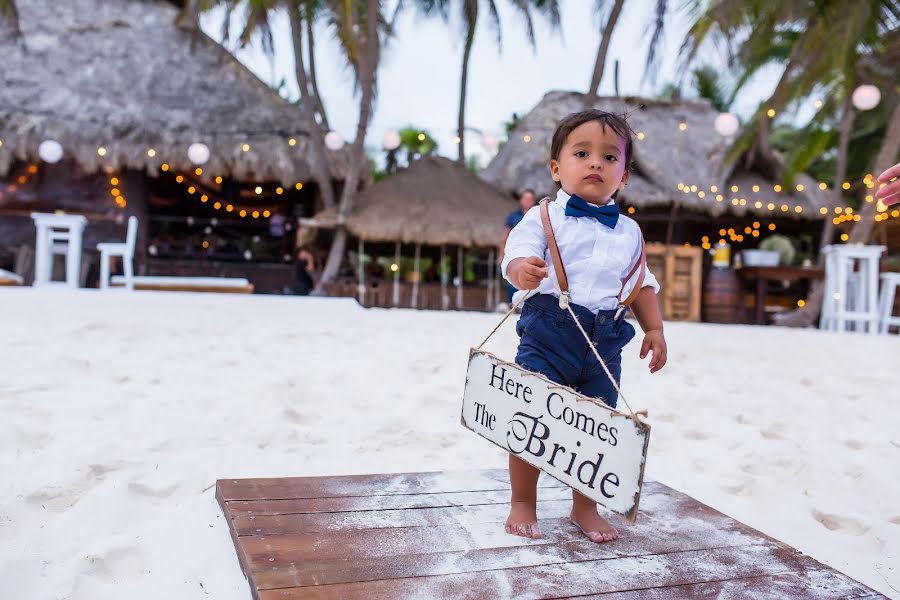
435,202
121,76
666,154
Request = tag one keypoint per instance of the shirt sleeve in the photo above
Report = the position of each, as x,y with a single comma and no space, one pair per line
526,239
511,220
649,278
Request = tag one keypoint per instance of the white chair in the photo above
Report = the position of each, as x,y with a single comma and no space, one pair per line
889,284
126,251
851,287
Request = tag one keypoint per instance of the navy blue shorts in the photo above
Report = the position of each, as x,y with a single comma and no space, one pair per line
551,344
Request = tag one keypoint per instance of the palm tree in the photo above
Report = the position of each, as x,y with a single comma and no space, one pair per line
359,33
257,14
9,16
469,12
819,59
612,19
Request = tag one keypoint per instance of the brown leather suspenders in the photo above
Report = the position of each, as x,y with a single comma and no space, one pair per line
640,267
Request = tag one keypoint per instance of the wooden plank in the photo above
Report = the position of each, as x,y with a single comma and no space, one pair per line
381,519
376,537
823,584
365,485
238,508
571,579
403,552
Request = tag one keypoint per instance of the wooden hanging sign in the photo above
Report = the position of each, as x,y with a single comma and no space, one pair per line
578,440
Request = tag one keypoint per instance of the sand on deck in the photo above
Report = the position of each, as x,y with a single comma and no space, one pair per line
120,410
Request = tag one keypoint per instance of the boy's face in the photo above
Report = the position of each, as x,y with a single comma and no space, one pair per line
591,163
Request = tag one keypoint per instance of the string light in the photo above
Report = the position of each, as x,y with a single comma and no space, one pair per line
526,138
640,135
151,152
101,151
292,142
682,126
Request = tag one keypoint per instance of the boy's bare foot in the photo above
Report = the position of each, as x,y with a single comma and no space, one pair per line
522,520
595,527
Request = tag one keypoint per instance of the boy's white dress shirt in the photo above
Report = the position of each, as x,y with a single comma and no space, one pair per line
596,258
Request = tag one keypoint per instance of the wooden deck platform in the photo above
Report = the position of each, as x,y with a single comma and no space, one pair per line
440,536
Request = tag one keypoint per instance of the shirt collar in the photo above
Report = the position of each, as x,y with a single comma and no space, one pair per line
563,198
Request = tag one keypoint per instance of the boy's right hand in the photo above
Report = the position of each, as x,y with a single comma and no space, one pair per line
528,272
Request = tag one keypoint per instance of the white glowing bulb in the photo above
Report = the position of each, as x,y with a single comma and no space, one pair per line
391,140
333,140
726,124
866,97
50,151
490,142
198,153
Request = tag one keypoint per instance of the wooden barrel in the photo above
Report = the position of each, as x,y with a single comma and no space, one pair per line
723,299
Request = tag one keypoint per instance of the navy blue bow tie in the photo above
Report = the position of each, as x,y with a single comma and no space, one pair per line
578,207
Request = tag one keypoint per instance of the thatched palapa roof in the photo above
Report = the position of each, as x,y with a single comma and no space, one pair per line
665,157
119,74
435,201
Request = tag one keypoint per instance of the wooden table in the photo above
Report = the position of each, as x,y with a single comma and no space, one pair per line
759,276
440,535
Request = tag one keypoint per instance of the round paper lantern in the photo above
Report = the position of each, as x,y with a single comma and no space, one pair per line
152,250
50,151
333,140
726,124
248,255
866,97
198,153
391,140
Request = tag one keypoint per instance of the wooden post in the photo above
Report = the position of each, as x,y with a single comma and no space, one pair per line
395,299
445,298
459,278
361,272
670,230
490,285
415,289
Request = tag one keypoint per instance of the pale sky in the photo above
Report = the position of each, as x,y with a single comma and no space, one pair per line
418,80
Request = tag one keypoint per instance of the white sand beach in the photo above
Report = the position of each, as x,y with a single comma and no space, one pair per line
120,411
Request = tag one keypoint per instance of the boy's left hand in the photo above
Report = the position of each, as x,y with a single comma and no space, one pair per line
654,342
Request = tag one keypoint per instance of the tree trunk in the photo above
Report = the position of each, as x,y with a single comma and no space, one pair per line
317,157
861,231
358,160
887,156
591,97
311,56
471,8
840,173
189,16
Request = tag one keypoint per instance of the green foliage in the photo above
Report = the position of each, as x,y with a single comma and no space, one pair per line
708,84
417,142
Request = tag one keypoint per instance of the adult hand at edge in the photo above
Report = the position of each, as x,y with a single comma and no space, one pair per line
890,194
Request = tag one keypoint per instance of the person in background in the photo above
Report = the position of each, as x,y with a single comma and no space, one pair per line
527,201
305,266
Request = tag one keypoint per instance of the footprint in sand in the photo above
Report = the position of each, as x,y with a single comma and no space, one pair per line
292,416
740,489
741,419
667,417
854,444
895,520
59,499
34,440
773,432
854,471
137,488
695,434
839,523
115,564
